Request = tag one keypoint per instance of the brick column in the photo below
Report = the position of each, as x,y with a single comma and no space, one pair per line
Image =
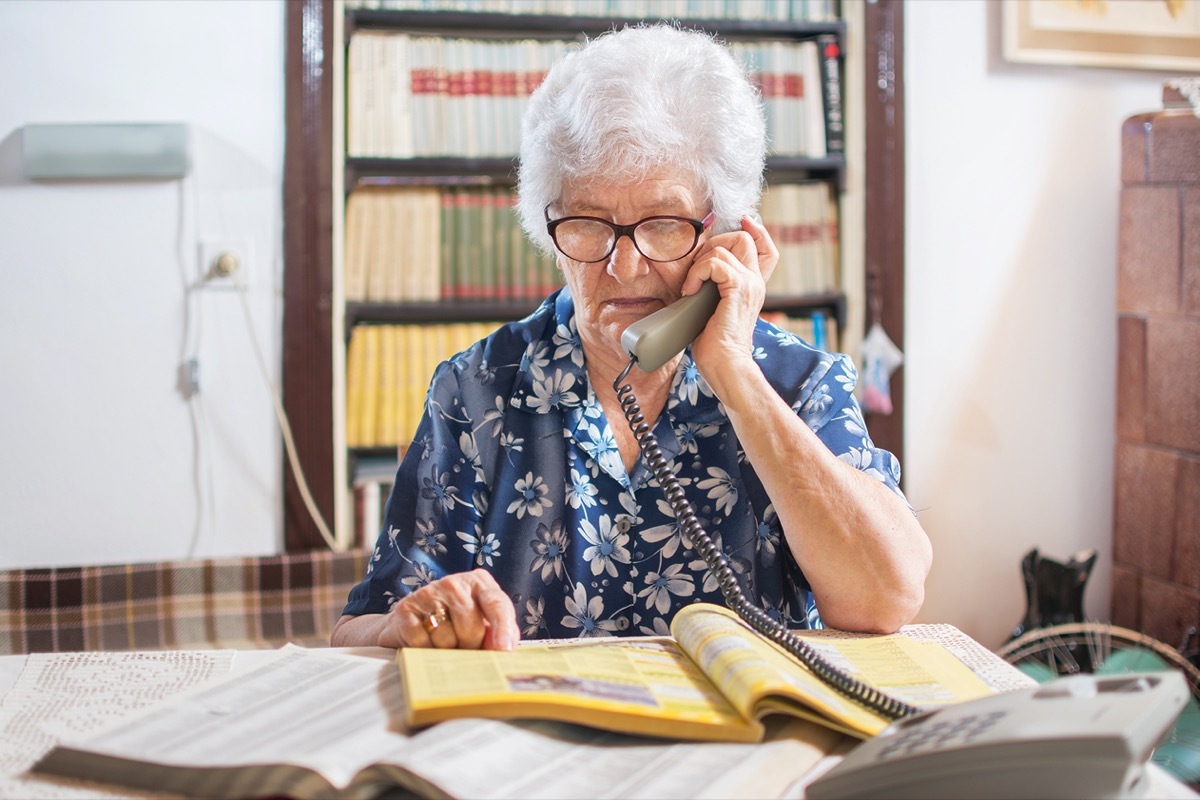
1156,528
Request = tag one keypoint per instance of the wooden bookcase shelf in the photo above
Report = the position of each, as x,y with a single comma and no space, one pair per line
459,23
358,313
319,176
449,171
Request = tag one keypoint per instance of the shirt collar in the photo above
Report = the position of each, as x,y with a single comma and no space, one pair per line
552,375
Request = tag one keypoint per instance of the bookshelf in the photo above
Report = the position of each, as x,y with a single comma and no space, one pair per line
321,174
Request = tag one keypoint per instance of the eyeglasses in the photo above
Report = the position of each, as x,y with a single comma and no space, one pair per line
658,238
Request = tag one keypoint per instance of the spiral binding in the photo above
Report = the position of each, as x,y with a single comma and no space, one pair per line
852,688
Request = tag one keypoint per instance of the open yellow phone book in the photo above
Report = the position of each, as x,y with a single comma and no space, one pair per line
713,679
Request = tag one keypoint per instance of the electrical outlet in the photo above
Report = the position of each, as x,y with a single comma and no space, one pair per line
220,258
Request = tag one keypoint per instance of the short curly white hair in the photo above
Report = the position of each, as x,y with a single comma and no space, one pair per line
639,99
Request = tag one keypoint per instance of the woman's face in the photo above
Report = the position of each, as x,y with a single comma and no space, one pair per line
612,294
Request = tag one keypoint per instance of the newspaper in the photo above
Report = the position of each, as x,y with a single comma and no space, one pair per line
338,716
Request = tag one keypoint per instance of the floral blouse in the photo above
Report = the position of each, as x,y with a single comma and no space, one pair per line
515,469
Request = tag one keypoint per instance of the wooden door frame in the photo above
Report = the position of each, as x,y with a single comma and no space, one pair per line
308,265
884,199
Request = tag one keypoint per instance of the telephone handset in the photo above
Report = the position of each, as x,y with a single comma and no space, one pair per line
650,343
1082,736
655,339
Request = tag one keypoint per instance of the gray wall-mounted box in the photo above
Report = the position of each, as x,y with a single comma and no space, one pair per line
112,151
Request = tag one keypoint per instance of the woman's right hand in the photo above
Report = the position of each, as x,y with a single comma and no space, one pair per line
466,610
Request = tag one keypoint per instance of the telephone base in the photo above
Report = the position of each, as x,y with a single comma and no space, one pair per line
1079,737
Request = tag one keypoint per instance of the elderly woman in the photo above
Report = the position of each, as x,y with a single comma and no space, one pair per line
523,507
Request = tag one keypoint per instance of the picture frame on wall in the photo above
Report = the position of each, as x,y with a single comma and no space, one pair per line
1131,34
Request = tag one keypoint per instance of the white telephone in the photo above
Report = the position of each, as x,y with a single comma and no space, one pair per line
1085,736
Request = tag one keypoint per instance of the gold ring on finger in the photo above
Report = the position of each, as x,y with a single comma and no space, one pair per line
435,620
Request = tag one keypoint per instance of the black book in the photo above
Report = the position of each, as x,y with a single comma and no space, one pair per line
830,53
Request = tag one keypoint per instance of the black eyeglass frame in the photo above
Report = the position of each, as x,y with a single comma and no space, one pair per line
699,225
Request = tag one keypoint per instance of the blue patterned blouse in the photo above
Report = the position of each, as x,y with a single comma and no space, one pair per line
515,469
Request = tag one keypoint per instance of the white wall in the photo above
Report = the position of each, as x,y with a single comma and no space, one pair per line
1013,181
101,459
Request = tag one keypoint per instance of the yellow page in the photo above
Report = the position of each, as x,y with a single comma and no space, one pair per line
758,676
644,686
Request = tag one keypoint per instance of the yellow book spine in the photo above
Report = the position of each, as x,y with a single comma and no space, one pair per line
387,433
408,413
369,419
355,364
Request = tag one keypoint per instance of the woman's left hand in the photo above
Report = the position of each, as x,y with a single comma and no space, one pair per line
739,262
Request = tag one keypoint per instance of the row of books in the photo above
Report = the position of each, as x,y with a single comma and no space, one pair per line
419,96
788,74
388,368
803,221
766,10
429,243
425,243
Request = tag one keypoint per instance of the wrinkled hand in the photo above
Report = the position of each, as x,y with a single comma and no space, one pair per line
739,262
466,610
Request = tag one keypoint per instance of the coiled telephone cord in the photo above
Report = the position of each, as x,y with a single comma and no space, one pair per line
852,688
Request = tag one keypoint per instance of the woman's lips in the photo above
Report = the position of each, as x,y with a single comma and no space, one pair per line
634,303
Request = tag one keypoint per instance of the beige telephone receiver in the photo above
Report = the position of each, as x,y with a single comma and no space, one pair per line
655,339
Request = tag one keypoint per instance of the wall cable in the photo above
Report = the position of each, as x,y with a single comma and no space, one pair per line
285,427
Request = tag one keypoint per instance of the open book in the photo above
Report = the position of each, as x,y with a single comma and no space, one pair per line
713,679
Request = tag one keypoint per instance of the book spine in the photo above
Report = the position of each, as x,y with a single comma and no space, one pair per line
798,93
388,385
812,211
399,220
438,138
448,250
400,98
429,254
809,68
422,88
368,512
768,209
792,197
355,112
831,237
486,233
517,245
461,237
831,92
355,367
377,246
354,249
501,253
369,417
407,413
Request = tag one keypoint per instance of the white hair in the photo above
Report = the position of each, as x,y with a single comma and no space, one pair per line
640,99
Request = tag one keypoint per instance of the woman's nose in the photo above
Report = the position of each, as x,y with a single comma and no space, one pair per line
625,263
